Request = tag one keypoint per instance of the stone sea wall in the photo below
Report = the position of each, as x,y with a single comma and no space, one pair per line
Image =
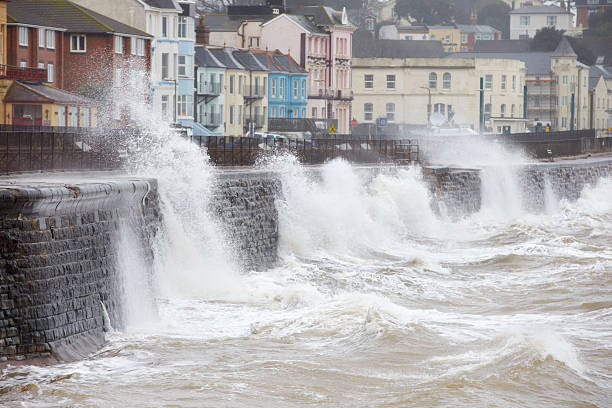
455,192
58,263
564,180
245,205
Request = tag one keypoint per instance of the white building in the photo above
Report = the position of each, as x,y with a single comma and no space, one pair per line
526,21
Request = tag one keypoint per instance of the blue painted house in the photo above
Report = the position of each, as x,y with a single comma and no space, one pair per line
287,85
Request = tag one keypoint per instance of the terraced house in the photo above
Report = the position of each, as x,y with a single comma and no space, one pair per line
288,82
78,47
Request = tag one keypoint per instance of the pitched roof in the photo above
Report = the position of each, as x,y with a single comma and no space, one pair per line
305,23
27,92
323,15
224,55
564,49
247,60
66,15
365,46
204,58
163,4
229,23
475,28
540,10
289,63
501,46
266,58
535,62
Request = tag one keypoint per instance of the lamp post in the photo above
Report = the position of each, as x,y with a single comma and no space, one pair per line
175,96
428,106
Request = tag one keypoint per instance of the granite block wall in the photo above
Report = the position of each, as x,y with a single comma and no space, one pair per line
58,263
245,204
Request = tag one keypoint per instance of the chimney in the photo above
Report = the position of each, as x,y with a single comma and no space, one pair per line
202,33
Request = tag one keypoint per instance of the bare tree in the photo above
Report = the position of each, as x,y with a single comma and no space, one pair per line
213,6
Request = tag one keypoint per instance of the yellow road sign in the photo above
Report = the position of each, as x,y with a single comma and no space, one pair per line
332,129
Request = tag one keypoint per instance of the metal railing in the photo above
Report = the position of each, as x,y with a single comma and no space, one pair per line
210,88
25,149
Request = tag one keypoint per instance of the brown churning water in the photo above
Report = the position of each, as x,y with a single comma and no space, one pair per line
377,301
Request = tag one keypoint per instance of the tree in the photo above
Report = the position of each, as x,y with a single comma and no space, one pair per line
495,14
546,39
600,24
428,12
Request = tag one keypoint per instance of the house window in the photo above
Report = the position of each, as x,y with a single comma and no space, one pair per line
304,90
41,38
164,27
23,64
183,24
440,108
84,117
314,112
164,107
184,65
446,80
51,39
140,47
564,122
231,115
118,45
503,82
551,20
564,78
433,80
368,81
488,81
231,85
282,112
296,88
390,81
184,105
281,91
464,38
391,111
368,111
78,43
164,64
564,101
239,116
273,112
273,87
23,36
253,42
487,111
512,111
133,45
41,65
513,81
303,112
525,20
50,73
503,109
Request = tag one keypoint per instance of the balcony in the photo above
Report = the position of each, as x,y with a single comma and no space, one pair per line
210,89
259,121
211,120
345,94
321,94
23,74
253,92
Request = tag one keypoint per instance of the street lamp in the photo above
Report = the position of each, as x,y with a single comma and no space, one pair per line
175,96
428,106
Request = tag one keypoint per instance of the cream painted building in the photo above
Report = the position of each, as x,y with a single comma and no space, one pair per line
400,90
449,35
526,21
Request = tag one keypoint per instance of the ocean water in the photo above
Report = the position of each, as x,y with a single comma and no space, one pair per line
376,301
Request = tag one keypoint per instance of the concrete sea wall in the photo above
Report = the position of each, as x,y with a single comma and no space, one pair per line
58,263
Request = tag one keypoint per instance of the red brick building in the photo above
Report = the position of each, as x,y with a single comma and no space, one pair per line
584,8
77,46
